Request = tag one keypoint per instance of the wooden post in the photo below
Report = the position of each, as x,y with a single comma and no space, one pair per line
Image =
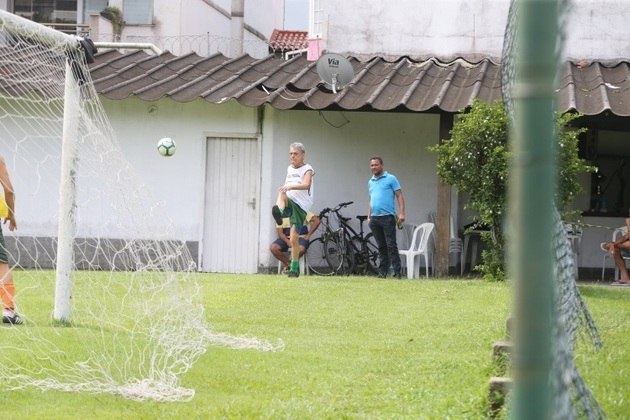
443,216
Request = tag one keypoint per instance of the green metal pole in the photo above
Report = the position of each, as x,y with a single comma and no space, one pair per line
531,203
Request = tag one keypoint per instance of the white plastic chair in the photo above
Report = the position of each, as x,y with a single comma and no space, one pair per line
404,235
574,233
616,234
419,247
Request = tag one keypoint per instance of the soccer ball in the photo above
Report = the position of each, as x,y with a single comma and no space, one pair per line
166,146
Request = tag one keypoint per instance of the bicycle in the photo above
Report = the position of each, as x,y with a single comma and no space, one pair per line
362,251
324,253
344,249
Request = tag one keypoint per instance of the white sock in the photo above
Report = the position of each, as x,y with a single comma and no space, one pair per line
7,312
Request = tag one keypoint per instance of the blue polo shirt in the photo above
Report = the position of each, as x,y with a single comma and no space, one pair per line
382,191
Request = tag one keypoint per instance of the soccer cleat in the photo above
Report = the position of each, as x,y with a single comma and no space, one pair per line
277,214
12,319
293,274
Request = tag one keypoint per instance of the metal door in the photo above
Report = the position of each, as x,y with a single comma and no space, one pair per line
230,233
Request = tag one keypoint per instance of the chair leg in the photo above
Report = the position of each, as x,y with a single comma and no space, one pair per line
416,267
410,266
403,264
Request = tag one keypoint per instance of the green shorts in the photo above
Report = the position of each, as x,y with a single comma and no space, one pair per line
297,215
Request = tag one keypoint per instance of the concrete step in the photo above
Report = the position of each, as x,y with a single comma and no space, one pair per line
498,388
501,350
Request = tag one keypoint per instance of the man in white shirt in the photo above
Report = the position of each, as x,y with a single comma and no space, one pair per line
295,199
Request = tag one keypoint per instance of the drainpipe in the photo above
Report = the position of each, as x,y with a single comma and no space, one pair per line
531,206
237,25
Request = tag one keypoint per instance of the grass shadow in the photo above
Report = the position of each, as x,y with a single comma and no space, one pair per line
596,291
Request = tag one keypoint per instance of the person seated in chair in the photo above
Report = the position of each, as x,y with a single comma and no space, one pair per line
281,245
618,249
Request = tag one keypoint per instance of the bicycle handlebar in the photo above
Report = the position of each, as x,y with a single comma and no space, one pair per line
339,206
342,205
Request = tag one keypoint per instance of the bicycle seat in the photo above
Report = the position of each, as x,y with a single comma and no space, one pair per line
345,219
362,218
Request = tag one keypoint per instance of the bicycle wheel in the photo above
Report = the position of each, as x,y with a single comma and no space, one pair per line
334,251
360,261
316,257
366,255
349,262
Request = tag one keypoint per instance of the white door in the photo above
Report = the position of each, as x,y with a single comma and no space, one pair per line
230,233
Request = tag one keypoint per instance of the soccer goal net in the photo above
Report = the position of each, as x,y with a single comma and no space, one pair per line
104,284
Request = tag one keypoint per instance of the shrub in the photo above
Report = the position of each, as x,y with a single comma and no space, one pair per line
476,160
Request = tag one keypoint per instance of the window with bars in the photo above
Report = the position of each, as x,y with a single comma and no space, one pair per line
47,11
138,12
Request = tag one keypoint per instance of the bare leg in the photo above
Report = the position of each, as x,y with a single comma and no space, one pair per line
294,238
7,293
615,252
621,265
281,201
280,256
302,250
7,288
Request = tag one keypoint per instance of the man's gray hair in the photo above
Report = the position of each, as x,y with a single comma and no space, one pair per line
298,146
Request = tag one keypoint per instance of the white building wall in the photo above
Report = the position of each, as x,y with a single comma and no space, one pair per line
446,28
340,149
340,156
265,15
177,179
339,146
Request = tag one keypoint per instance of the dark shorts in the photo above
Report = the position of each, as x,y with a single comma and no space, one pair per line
3,249
284,247
625,253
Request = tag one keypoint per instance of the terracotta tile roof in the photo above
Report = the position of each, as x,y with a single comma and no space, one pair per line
402,85
282,40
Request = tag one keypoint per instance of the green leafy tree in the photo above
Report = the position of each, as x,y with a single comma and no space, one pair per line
476,160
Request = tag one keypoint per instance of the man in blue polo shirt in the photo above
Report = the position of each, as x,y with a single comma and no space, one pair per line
383,188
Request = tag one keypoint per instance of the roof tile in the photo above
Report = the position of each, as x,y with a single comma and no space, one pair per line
283,40
379,84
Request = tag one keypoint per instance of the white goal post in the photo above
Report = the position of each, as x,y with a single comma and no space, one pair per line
20,27
127,315
67,201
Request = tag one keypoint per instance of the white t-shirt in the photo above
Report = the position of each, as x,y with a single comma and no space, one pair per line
295,176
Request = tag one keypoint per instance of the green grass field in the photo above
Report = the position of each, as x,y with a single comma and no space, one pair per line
354,348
